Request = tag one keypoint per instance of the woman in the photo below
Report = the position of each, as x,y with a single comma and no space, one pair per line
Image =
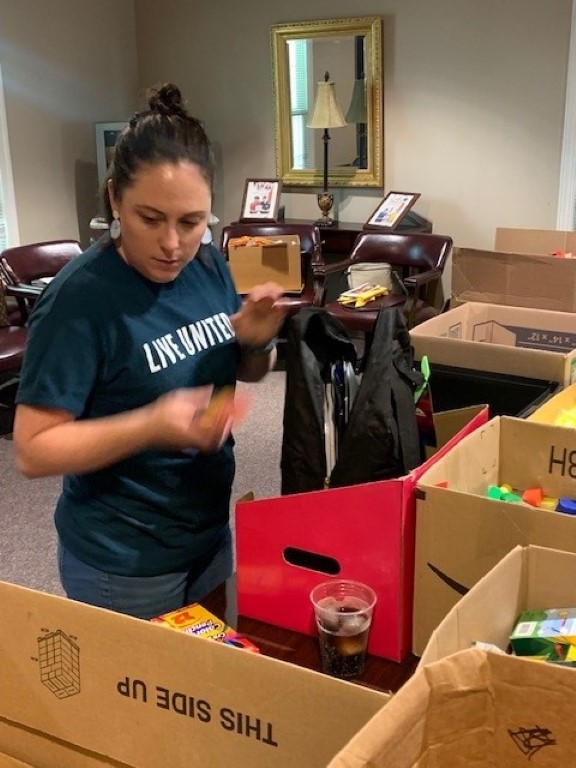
125,347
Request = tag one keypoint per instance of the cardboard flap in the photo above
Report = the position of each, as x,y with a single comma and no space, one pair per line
482,711
472,709
394,741
144,696
513,279
541,241
472,463
454,424
450,427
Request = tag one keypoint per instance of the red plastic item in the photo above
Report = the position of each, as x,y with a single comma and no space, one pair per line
533,496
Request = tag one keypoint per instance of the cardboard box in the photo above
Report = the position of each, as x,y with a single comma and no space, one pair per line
532,343
552,410
527,578
196,620
280,263
535,241
461,534
472,709
287,545
514,279
82,687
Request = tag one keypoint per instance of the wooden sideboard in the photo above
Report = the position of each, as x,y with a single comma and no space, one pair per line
338,240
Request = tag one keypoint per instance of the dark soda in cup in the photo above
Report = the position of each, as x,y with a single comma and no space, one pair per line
343,612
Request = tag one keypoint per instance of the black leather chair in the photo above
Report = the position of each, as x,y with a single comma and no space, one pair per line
416,262
20,266
24,264
12,347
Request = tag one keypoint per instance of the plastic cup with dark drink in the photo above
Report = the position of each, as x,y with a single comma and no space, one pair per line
343,611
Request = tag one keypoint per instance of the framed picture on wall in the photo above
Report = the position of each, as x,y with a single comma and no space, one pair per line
106,136
261,200
392,210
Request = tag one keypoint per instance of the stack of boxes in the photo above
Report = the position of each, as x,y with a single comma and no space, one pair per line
509,341
468,560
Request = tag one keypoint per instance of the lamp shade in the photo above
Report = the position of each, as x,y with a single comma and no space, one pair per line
327,113
357,109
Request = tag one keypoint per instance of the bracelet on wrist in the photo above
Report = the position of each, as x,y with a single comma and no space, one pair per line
261,350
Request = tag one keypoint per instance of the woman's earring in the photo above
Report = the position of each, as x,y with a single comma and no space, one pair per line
115,226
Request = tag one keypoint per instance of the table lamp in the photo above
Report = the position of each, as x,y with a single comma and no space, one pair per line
327,114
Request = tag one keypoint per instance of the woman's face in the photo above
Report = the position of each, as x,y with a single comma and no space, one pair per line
163,214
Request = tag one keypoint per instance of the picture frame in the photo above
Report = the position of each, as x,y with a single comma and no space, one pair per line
391,210
106,136
261,200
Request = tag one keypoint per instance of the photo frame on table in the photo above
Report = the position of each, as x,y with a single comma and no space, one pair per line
261,200
391,210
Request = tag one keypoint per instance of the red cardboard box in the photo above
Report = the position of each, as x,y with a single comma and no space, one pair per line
288,544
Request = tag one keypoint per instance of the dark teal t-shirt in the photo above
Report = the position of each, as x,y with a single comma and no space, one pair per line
103,339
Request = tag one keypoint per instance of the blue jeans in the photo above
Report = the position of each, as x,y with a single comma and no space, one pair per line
145,596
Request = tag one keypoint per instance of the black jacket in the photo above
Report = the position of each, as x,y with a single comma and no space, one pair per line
381,437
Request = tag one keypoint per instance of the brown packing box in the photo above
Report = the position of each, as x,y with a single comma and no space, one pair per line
461,534
513,279
473,709
520,271
526,579
535,241
518,341
280,263
83,687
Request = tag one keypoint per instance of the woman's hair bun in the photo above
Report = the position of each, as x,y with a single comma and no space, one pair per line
166,100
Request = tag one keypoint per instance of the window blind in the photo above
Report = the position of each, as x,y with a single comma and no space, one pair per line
299,100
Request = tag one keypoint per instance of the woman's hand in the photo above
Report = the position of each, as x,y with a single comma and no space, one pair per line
261,315
189,418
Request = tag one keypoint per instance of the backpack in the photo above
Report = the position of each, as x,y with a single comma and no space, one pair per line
376,435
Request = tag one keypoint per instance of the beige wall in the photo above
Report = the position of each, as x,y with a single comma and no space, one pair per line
66,64
474,101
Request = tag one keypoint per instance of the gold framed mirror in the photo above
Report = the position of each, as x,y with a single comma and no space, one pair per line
350,50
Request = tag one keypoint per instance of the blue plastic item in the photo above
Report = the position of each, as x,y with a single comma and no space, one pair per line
568,506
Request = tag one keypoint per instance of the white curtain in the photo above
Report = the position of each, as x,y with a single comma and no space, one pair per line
9,234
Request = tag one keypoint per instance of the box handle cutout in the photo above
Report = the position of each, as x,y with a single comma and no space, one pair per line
312,561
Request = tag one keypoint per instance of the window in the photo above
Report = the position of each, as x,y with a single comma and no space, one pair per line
299,100
566,218
8,221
